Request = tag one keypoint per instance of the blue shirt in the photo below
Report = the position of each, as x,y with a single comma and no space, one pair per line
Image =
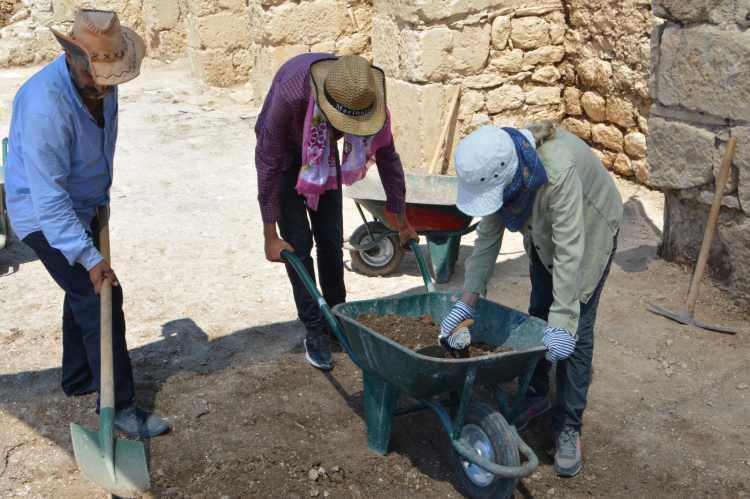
59,162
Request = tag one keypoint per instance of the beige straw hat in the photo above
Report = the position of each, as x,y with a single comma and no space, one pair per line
113,52
351,94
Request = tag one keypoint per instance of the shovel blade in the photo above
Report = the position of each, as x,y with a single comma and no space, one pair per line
129,476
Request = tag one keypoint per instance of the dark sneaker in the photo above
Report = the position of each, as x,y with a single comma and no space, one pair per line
318,351
532,406
137,423
568,462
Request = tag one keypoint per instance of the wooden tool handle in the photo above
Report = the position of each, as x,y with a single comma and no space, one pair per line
713,218
439,157
106,373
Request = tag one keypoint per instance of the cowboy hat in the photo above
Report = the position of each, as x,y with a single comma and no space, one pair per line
113,53
351,94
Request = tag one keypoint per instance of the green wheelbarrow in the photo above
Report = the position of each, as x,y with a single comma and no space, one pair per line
487,447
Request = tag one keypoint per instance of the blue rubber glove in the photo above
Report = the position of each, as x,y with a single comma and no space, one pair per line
459,313
559,342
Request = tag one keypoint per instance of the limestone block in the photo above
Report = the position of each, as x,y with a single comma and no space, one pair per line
705,69
635,145
543,95
385,45
224,30
431,11
200,8
418,113
504,98
171,44
548,75
64,10
544,55
572,99
490,80
623,166
736,239
680,156
510,61
243,61
742,163
471,102
212,66
326,46
238,6
595,74
606,157
529,32
427,54
688,10
557,28
620,112
582,128
471,47
271,59
161,14
641,172
356,44
594,105
500,32
608,136
643,124
476,121
305,22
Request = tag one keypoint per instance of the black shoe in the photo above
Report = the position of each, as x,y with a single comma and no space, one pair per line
137,423
318,351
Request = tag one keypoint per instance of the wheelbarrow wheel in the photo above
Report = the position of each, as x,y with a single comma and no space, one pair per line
382,259
489,434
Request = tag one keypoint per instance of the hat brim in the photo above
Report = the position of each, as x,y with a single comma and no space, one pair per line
363,126
479,204
110,72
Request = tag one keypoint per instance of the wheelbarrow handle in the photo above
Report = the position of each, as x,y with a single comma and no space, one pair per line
422,266
312,288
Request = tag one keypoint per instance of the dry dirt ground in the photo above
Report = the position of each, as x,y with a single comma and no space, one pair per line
217,350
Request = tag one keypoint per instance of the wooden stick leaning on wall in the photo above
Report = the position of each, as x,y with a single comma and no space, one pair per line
442,150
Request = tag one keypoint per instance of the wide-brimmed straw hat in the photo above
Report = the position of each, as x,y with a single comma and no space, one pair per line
351,93
113,52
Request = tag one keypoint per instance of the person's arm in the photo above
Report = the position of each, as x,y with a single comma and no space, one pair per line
47,161
480,265
568,238
392,175
270,155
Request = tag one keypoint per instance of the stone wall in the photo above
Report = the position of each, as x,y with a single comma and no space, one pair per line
701,88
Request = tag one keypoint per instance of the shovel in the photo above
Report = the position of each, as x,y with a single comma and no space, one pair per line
687,315
117,465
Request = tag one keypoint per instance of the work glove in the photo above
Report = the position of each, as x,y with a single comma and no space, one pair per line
560,343
449,337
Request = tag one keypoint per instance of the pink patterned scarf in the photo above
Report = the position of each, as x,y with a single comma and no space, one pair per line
318,172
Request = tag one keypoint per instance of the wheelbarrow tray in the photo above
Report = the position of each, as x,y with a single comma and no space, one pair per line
422,377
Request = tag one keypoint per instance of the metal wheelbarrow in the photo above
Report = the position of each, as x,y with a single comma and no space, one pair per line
430,208
487,447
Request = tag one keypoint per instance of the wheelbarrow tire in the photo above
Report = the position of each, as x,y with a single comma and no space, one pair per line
485,423
380,261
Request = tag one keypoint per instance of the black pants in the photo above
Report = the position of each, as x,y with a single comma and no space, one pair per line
574,373
81,326
299,226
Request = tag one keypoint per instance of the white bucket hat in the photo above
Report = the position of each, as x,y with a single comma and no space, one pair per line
486,161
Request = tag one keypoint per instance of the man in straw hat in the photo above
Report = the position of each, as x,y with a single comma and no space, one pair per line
547,184
62,143
314,100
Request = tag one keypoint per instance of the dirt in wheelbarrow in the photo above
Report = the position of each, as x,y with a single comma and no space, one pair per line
420,334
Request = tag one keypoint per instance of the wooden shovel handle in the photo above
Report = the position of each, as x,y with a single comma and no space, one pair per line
106,373
438,158
713,218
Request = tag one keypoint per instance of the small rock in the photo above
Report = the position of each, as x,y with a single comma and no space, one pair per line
314,493
551,492
313,474
670,343
326,494
709,404
743,386
698,463
321,471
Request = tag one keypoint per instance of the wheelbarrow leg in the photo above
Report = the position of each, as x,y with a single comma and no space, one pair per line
380,402
443,255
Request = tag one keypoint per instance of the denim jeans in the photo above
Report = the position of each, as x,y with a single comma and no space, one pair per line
574,373
300,226
81,326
